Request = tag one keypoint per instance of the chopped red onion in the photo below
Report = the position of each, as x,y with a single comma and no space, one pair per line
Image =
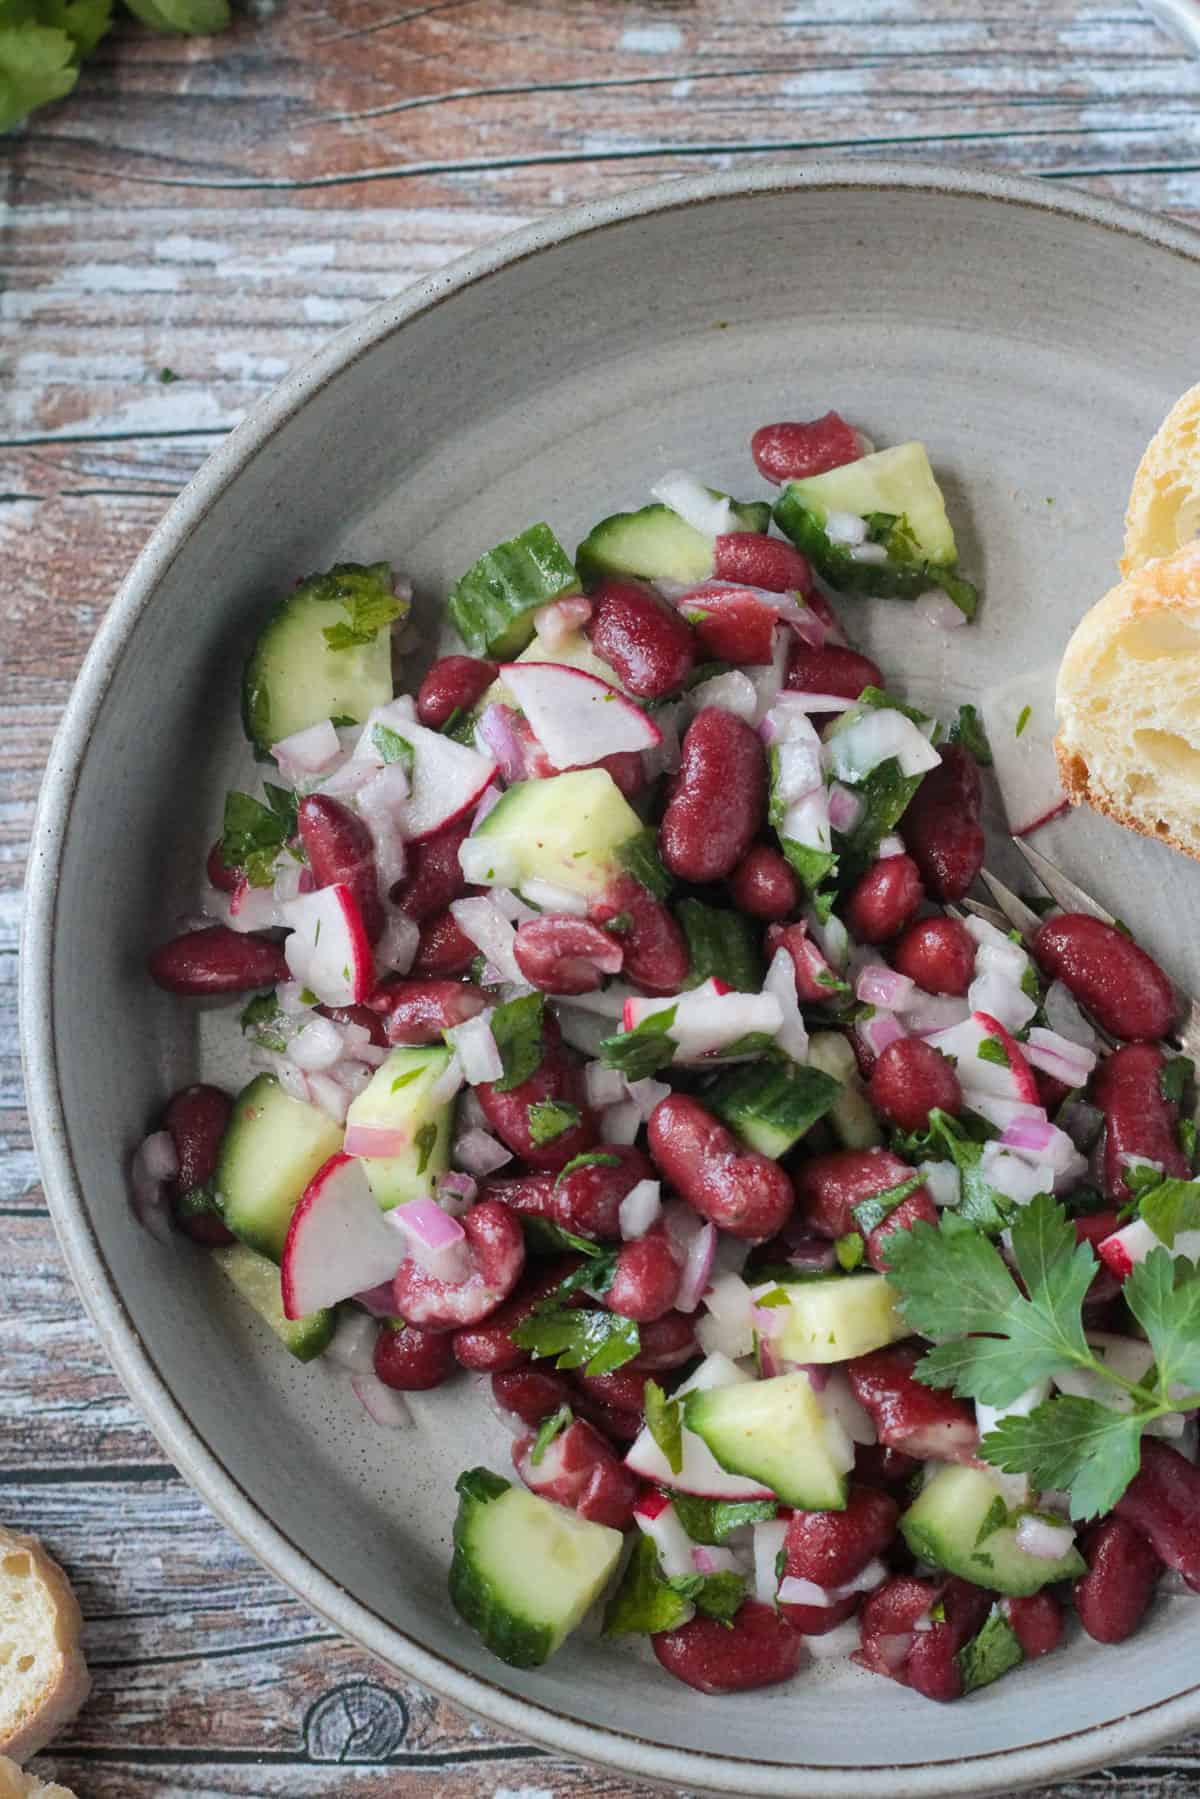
396,949
795,1591
818,702
880,1031
443,1089
845,807
1002,999
937,608
1046,1047
380,1301
812,1254
496,736
252,908
317,1046
932,1012
603,1086
477,1050
1043,1540
155,1163
840,1643
312,751
817,1374
877,737
352,1345
620,1123
708,1560
329,1095
511,905
889,847
845,528
696,1268
639,1209
489,802
767,678
348,780
684,495
662,1525
942,1183
287,997
879,985
290,1078
1064,1017
560,621
1010,1174
383,1405
376,1141
491,933
549,897
731,692
455,1192
436,1242
810,628
479,1153
792,1035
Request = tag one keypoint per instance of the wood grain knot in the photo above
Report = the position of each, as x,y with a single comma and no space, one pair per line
357,1722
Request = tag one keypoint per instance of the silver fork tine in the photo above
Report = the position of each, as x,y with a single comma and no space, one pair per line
990,914
1016,913
1063,892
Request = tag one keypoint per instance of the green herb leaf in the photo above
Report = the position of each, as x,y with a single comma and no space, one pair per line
481,1484
365,596
664,1421
260,1021
885,794
721,943
547,1430
639,856
849,1251
644,1050
576,1337
1023,719
1174,1079
544,1237
1075,1445
991,1049
1167,1206
992,1653
424,1143
252,834
392,747
1163,1293
189,18
994,1519
811,866
968,730
715,1520
870,1213
716,1595
517,1028
591,1158
644,1603
550,1118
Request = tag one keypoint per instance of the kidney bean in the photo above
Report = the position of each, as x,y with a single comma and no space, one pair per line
922,1421
718,798
817,1620
1163,1502
453,684
609,1495
1037,1623
889,1617
763,884
587,1201
562,954
667,1342
816,982
221,874
829,1186
791,451
1125,990
756,1650
737,1189
1051,1093
360,1015
341,851
647,643
909,1079
419,1011
937,953
932,1667
497,1250
196,1118
489,1348
619,1427
1093,1228
831,1548
731,625
433,879
941,825
532,1393
876,1465
624,1389
413,1360
830,669
761,561
556,1077
654,946
217,960
883,900
646,1282
442,949
1123,1571
626,769
1138,1119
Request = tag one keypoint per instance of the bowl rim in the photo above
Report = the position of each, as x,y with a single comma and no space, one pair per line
1067,1752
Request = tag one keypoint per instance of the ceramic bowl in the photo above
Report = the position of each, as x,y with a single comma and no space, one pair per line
1033,338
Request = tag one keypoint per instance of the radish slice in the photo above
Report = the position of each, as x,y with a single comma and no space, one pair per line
730,1319
705,512
382,1404
328,950
700,1472
560,621
877,737
657,1519
312,751
732,692
709,1018
338,1242
1025,765
768,1547
1001,1072
845,808
792,1036
1046,1046
707,1560
1013,1176
447,780
880,1032
577,718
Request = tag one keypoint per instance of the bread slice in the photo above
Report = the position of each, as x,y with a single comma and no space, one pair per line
15,1784
1128,703
43,1676
1164,503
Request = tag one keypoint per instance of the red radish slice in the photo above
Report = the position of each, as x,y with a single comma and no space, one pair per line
700,1473
657,1519
1025,764
338,1242
1010,1078
328,950
577,718
1133,1243
448,779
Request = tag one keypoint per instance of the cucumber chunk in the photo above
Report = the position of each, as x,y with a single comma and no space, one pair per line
836,1319
565,830
492,606
273,1146
295,678
851,1115
524,1570
397,1098
771,1104
898,481
948,1526
775,1431
257,1280
657,545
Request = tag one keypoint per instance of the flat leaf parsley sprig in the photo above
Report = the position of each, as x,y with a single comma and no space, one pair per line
993,1342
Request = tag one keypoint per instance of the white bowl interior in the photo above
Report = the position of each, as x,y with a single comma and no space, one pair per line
556,387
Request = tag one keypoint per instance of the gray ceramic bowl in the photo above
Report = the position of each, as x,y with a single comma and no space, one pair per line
1034,338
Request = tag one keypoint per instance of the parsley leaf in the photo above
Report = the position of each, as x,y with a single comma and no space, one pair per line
714,1520
990,1654
1163,1293
639,856
1174,1078
885,794
968,730
577,1337
720,942
544,1237
1076,1445
392,747
517,1028
42,43
260,1021
1023,719
365,596
644,1050
252,834
1166,1206
550,1118
991,1049
591,1158
644,1602
871,1212
547,1430
424,1143
716,1595
664,1421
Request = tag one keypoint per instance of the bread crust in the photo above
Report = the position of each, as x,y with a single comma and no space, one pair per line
1073,773
1164,502
16,1784
36,1724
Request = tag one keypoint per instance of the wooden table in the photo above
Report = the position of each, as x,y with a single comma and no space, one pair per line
192,223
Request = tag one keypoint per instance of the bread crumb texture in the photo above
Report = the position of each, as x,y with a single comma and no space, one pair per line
1164,503
16,1784
43,1676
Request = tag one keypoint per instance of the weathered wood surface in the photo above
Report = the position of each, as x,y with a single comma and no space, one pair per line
215,208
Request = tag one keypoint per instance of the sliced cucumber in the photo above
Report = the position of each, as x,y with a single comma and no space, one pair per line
397,1098
851,1115
836,1319
564,830
524,1570
898,481
658,545
293,678
257,1280
492,606
948,1526
273,1146
776,1432
772,1104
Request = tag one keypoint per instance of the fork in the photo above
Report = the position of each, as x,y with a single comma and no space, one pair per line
1068,895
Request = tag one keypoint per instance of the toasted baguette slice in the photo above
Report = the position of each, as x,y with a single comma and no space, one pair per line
15,1784
1129,703
1164,503
43,1676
